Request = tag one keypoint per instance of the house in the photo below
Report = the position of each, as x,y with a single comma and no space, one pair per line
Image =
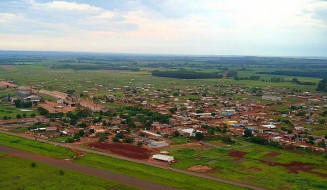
71,100
163,157
190,132
33,98
269,126
151,135
272,98
157,144
92,106
230,122
22,94
228,112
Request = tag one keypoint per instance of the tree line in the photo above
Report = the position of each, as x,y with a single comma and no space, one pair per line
186,74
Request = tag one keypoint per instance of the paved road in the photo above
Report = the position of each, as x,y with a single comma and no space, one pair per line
126,180
146,163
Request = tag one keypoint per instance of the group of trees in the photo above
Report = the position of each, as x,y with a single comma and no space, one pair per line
186,74
254,77
322,85
22,104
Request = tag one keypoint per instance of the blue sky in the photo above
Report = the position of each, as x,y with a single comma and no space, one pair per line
198,27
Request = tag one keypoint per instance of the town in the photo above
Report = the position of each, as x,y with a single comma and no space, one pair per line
149,118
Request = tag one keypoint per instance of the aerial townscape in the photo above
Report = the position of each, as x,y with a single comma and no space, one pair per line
163,95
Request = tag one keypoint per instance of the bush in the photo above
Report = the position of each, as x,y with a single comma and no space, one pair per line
139,144
176,134
115,139
33,164
18,116
61,172
129,140
199,136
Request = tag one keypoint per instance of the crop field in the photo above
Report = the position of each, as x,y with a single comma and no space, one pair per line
18,173
256,165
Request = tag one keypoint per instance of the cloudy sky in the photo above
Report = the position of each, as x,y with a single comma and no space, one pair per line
199,27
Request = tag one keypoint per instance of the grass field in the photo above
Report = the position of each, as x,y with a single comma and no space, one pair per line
35,146
157,175
17,173
251,167
9,110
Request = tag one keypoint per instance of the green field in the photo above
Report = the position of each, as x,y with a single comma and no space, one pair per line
157,175
18,173
141,171
35,146
251,169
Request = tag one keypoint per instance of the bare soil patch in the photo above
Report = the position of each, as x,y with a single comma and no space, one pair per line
127,150
54,107
200,168
8,67
237,154
272,154
296,167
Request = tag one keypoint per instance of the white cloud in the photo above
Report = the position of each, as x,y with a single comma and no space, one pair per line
66,6
7,17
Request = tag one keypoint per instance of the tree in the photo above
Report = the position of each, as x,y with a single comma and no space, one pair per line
175,134
139,144
33,115
322,85
115,139
24,115
42,111
92,131
81,133
247,133
199,136
129,140
5,117
322,144
18,116
172,110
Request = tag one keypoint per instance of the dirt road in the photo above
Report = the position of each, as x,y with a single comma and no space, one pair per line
126,180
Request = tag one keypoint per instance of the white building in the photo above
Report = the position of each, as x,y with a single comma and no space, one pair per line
162,157
272,98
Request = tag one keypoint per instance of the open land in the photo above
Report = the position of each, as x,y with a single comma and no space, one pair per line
250,120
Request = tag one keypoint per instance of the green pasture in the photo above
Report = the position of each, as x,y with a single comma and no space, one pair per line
18,173
251,168
35,146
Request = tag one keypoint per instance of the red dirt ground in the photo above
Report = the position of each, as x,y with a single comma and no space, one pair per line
296,167
200,168
272,154
51,107
127,150
8,67
237,154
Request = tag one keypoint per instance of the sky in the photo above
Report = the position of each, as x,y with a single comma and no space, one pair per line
187,27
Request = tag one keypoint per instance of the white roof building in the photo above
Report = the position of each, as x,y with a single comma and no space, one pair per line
162,157
269,126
